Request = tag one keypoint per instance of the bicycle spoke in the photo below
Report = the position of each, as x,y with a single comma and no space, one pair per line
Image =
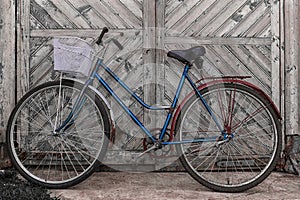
58,159
82,153
235,163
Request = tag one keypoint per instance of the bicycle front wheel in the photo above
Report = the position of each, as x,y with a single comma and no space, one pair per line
239,159
51,158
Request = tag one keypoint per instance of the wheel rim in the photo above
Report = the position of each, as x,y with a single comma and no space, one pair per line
56,158
241,160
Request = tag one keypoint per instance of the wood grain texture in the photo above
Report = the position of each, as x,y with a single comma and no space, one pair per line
7,63
291,68
44,19
240,37
249,37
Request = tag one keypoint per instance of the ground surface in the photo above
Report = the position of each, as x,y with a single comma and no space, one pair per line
12,187
175,186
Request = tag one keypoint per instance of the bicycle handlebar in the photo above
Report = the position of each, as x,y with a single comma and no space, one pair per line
99,40
104,30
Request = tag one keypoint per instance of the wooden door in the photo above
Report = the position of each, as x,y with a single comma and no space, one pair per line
240,37
131,21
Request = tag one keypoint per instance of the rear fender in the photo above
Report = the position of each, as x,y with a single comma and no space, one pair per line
218,81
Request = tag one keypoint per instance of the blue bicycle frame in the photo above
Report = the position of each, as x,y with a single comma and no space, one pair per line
80,101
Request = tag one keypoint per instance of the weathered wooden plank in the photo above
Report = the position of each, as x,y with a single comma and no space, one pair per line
135,6
41,63
7,64
47,15
261,26
251,66
171,6
292,67
72,13
189,13
225,26
250,19
216,56
212,28
149,58
160,59
109,17
260,56
217,40
263,68
1,74
236,20
37,55
178,12
277,59
134,10
89,33
207,18
90,14
124,12
132,53
23,59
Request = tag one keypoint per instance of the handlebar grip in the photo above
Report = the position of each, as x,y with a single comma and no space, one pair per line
104,30
117,43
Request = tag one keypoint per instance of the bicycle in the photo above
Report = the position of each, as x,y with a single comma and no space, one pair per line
227,131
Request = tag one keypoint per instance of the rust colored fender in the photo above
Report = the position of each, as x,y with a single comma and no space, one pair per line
218,81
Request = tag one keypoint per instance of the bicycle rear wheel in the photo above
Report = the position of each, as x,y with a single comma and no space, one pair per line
57,159
249,153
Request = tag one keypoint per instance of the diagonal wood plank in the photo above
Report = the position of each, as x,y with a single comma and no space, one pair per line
206,18
70,11
236,34
215,24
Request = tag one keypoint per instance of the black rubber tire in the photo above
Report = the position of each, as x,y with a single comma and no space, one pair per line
276,152
106,126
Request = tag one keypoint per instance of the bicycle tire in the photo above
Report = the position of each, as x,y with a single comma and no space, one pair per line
241,162
64,159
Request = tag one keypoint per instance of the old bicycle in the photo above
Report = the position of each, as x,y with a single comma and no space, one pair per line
227,131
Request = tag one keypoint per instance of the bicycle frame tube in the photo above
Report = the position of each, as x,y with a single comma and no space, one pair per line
80,101
205,103
128,111
171,108
111,73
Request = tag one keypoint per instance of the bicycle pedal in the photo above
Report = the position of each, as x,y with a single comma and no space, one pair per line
154,147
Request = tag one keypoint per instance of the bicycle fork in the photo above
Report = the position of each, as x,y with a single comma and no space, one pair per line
80,101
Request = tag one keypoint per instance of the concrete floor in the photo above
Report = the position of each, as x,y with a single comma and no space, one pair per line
175,186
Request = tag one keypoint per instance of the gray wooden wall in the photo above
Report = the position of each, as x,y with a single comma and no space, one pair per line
7,63
251,37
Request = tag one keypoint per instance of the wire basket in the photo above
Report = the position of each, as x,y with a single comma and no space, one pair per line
73,55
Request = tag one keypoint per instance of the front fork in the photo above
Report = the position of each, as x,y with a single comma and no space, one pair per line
80,101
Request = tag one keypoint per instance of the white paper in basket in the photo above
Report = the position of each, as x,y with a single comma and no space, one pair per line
72,55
